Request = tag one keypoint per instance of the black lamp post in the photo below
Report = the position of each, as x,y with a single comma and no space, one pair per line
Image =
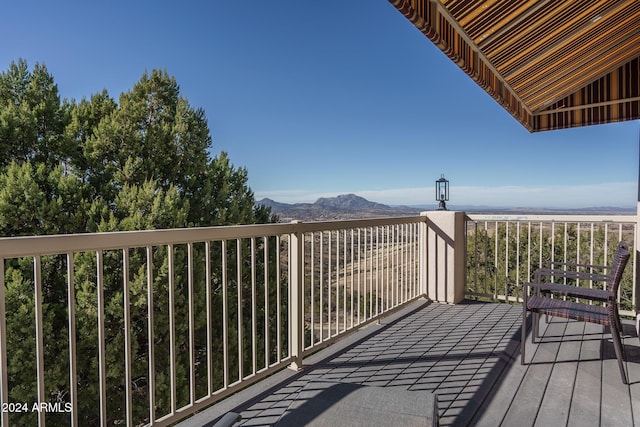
442,192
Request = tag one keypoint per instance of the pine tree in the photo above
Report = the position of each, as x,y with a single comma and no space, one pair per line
98,165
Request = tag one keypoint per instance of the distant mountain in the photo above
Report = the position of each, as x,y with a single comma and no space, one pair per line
344,206
351,206
349,202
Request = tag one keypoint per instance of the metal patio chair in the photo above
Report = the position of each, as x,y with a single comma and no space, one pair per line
548,298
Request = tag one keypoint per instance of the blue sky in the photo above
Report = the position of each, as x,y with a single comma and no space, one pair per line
324,98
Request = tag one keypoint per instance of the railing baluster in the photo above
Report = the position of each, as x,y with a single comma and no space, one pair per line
321,288
405,263
352,277
553,242
579,243
192,325
329,273
254,309
208,296
172,326
337,286
321,293
225,317
486,261
566,244
267,340
540,246
528,251
71,310
126,302
606,242
495,285
517,258
371,268
344,281
394,271
239,302
296,320
359,274
4,387
278,301
375,269
591,259
37,279
634,260
150,338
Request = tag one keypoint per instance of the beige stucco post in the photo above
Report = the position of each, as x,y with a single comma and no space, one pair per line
446,256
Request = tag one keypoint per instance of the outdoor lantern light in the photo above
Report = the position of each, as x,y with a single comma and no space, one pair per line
442,192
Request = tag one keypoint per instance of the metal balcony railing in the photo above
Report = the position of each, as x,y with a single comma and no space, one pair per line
503,251
147,327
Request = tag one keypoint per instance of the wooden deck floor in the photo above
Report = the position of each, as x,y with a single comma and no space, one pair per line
469,354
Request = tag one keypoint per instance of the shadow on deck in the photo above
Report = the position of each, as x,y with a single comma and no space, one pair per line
469,354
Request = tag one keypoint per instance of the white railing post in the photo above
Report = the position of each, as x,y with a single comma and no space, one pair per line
296,275
423,255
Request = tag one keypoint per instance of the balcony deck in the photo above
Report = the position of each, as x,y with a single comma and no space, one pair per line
469,354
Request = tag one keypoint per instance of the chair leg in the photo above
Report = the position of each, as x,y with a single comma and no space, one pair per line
523,337
617,345
535,327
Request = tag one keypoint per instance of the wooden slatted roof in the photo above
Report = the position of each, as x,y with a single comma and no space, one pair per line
551,64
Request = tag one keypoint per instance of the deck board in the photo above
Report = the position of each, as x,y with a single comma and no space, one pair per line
556,401
469,354
527,401
585,404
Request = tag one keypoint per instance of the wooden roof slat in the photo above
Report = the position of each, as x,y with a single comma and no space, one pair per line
537,57
561,88
490,28
589,60
588,31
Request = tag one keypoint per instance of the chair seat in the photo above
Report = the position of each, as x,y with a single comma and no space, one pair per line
569,309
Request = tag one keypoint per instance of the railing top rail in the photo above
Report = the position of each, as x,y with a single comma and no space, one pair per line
555,218
307,227
15,247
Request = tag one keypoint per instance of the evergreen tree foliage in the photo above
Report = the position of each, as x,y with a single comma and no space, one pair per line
97,165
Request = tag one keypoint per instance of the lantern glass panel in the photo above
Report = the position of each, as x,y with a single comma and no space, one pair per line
442,189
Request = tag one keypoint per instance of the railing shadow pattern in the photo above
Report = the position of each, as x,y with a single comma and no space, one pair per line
458,352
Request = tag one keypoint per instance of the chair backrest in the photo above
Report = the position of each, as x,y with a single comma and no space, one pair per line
619,263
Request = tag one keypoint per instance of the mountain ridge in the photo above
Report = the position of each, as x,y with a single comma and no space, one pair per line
343,206
352,206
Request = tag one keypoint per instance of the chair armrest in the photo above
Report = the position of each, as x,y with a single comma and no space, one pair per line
553,264
569,274
572,291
